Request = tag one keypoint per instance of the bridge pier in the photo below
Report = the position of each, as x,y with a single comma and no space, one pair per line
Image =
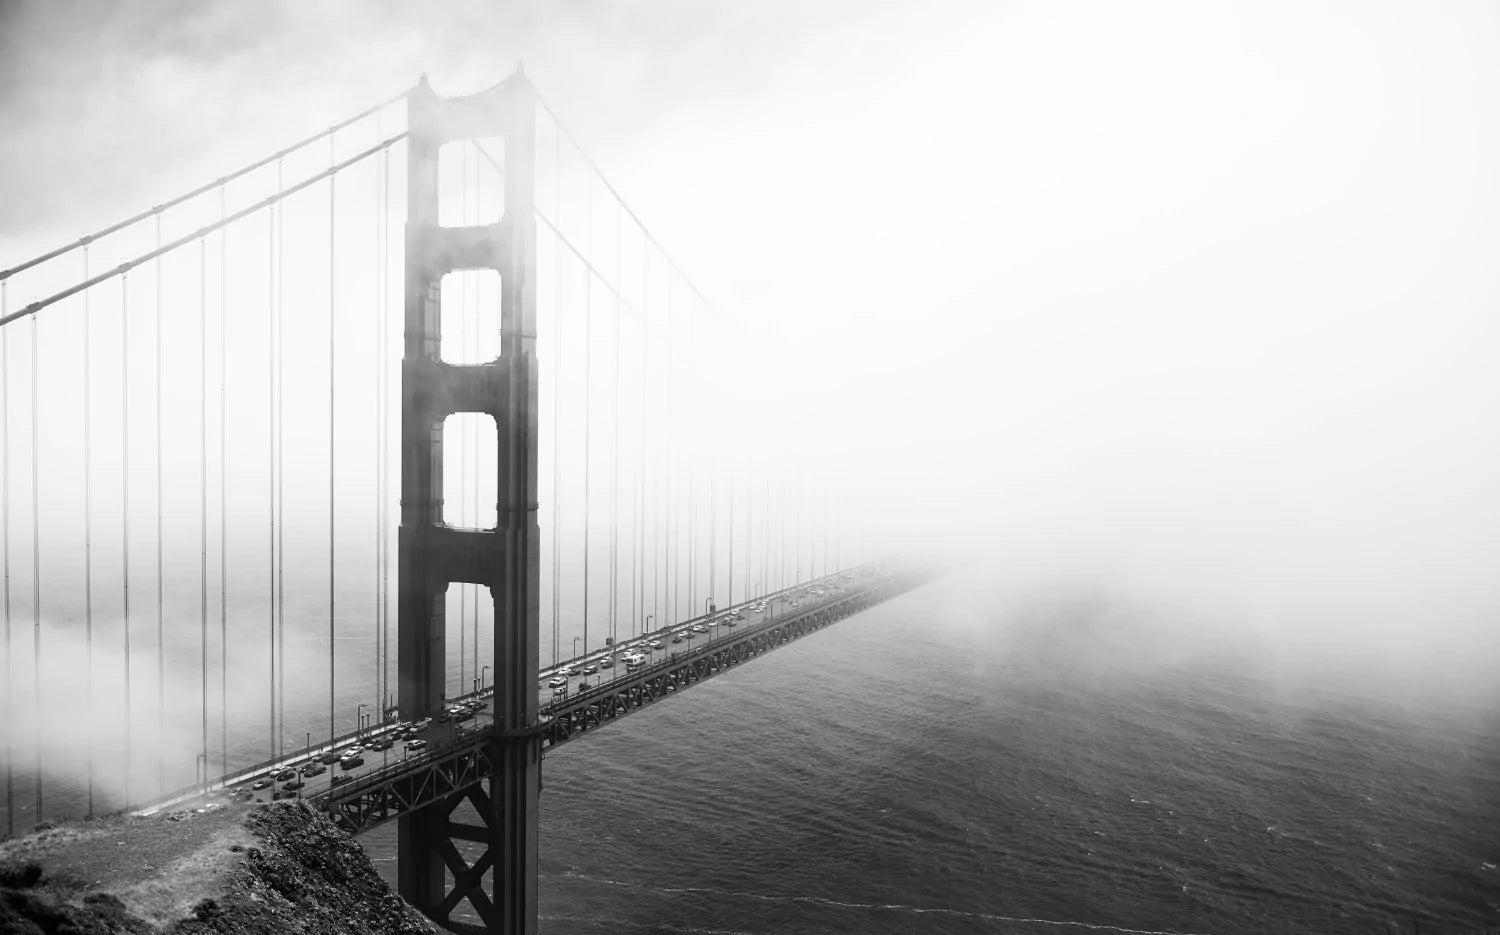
505,559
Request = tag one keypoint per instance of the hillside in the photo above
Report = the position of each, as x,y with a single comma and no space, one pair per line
240,869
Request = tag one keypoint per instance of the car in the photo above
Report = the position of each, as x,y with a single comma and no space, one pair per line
314,769
423,724
560,690
590,669
608,662
739,616
416,744
381,745
462,716
584,686
285,775
730,623
261,784
574,670
292,786
340,780
699,628
351,761
329,757
657,644
676,638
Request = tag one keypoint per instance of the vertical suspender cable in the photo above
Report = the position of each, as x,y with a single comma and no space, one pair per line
671,489
125,503
10,705
279,473
88,539
332,422
557,385
379,349
161,605
692,464
640,513
462,301
588,381
271,469
731,535
36,574
223,496
472,424
385,419
614,466
203,496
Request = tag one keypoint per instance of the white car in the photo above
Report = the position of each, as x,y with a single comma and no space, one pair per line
557,681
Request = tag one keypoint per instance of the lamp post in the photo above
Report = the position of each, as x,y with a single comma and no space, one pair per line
482,673
359,718
649,618
575,647
708,606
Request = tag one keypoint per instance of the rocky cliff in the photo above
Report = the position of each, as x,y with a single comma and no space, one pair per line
237,869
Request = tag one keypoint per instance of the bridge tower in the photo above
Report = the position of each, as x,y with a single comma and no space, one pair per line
504,559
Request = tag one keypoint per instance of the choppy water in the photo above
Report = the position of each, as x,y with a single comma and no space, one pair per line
904,773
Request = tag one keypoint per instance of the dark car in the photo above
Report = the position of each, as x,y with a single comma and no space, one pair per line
351,761
285,775
330,757
314,769
260,784
339,780
292,786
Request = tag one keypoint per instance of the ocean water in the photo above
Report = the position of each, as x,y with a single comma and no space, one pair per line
1028,768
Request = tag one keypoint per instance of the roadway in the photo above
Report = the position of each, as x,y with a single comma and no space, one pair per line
260,783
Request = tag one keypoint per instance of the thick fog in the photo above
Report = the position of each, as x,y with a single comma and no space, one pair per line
1189,309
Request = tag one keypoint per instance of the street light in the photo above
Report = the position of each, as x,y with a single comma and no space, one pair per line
359,721
708,606
649,618
482,673
575,647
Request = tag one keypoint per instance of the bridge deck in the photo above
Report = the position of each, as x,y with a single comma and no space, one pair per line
456,753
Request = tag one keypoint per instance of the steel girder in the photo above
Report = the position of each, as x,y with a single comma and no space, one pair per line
409,785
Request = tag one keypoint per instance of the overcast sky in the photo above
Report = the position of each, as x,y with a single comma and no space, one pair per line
1199,296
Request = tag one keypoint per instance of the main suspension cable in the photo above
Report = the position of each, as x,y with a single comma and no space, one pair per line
158,210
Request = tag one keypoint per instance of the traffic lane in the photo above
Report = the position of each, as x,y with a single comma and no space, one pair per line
799,602
436,734
788,599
